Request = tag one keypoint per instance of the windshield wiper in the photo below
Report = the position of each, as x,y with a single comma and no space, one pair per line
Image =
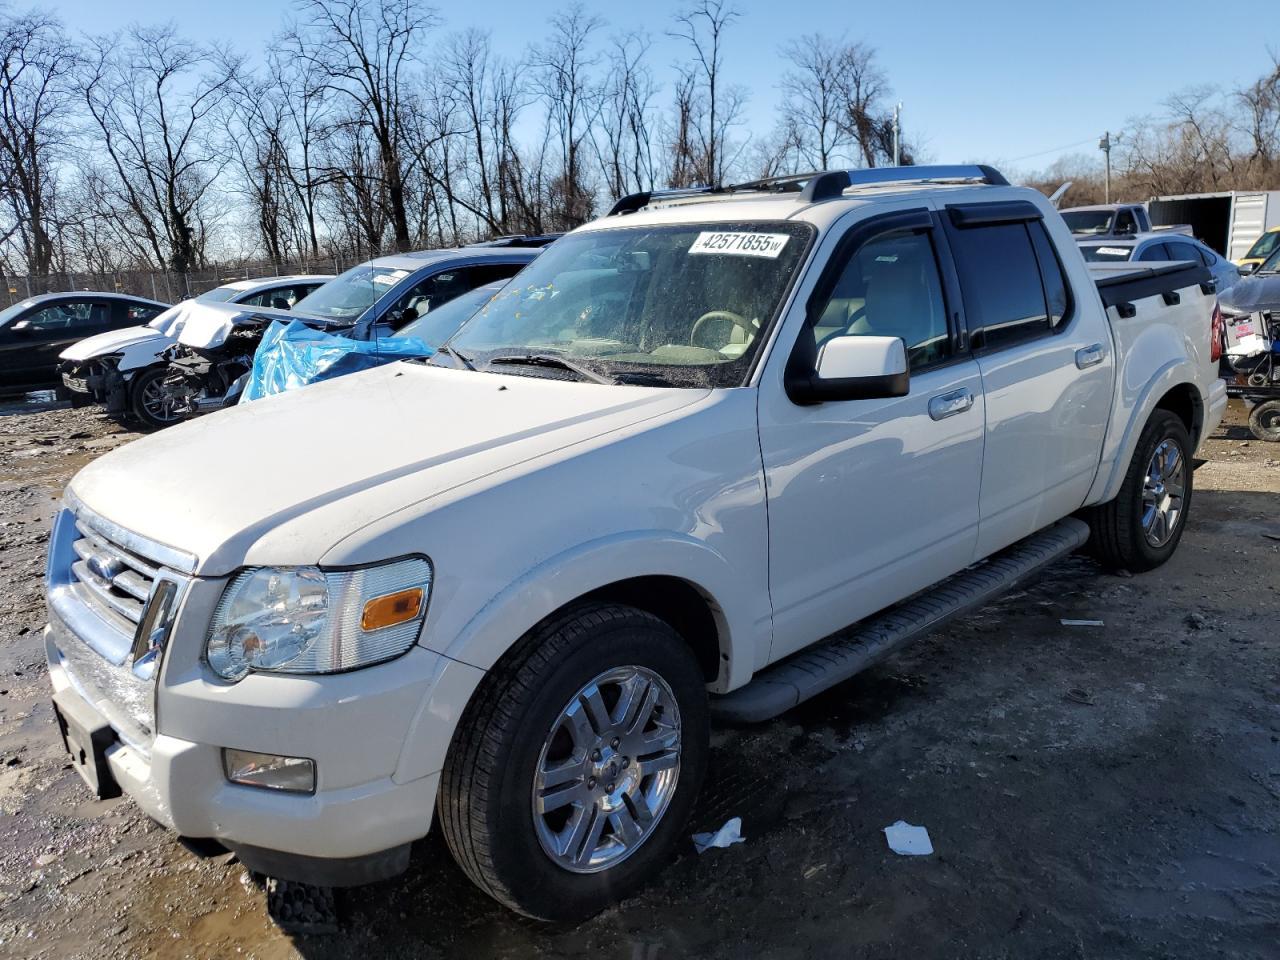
445,348
553,360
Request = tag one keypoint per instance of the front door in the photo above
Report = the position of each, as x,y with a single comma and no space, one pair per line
872,500
30,344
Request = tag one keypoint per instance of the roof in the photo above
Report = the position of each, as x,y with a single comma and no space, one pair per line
1135,238
99,294
811,197
273,281
417,259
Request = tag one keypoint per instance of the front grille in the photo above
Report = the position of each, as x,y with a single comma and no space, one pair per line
112,599
117,581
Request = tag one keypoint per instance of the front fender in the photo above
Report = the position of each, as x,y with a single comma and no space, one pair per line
564,577
547,587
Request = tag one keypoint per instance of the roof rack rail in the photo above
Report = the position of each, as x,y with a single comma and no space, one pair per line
819,185
637,201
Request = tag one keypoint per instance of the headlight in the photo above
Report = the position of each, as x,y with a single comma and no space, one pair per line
309,620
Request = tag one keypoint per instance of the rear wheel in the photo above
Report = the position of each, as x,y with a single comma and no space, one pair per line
1140,529
1264,421
577,763
148,401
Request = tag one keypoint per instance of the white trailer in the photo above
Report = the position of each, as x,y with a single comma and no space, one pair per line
1229,221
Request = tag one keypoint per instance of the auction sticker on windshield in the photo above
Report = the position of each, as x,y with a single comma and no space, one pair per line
741,244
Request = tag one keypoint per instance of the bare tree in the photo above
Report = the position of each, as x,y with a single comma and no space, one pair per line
366,49
623,135
706,109
36,60
154,98
562,69
815,93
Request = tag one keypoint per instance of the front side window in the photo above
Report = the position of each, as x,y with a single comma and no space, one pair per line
70,315
890,288
1004,293
426,295
444,321
345,298
679,305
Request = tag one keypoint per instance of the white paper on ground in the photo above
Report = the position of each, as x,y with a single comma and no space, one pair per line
726,836
908,840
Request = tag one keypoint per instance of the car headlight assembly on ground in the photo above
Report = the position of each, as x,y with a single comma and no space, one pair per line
310,620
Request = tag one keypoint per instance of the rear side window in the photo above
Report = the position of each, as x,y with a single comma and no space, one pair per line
1184,251
1156,253
1009,295
492,273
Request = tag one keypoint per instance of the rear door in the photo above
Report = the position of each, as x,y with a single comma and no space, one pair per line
1046,362
872,500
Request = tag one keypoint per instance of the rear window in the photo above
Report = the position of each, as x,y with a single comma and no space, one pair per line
1013,285
1088,221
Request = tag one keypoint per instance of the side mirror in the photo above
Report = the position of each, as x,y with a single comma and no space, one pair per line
1249,268
855,368
22,326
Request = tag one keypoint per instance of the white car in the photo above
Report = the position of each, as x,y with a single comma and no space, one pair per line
671,463
122,369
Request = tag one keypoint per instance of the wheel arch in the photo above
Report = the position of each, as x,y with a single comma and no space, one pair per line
1172,387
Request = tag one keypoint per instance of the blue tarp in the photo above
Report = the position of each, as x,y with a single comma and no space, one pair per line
294,354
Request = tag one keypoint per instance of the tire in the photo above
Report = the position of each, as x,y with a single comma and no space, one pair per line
1264,421
142,406
1121,538
515,726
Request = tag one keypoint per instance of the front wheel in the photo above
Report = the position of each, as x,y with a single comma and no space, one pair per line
576,766
1140,529
149,403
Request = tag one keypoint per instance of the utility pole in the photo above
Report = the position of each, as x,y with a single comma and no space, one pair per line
1105,146
897,134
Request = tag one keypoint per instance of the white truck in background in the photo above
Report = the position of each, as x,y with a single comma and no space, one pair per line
712,454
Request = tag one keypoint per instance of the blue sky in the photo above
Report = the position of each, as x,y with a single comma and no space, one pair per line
1014,83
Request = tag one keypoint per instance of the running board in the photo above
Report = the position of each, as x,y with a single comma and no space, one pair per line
809,672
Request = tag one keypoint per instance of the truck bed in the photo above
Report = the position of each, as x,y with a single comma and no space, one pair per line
1125,282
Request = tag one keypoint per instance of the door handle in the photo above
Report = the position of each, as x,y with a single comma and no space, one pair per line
1089,356
949,404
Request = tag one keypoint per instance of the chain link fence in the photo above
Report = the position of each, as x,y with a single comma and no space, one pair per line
167,286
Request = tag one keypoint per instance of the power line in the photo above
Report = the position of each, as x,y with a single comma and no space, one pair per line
1032,156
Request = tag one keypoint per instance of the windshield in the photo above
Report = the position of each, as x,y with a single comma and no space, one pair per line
1270,265
1104,254
348,295
218,295
1088,221
8,313
683,305
1264,246
442,322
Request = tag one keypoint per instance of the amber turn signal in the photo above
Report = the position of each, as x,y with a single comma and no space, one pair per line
399,607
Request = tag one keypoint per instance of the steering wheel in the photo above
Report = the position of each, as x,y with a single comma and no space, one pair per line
738,321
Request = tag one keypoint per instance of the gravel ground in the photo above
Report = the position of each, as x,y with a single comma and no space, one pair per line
1106,791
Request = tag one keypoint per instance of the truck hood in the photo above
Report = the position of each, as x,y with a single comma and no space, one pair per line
1251,294
113,341
232,488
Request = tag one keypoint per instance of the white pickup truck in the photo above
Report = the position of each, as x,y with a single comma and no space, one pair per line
714,453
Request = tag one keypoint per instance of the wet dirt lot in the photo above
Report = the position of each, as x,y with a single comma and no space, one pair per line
1107,791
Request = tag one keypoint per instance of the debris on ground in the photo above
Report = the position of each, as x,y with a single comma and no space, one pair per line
908,840
1083,623
726,836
